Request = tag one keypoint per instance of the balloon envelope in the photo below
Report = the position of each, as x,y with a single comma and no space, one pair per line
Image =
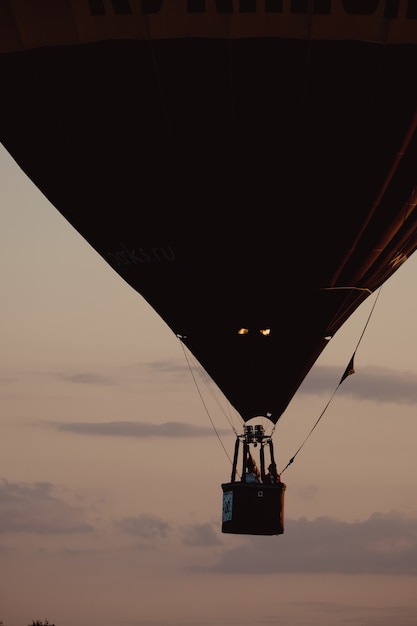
248,167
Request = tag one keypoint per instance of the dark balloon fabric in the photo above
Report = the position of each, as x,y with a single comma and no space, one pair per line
241,164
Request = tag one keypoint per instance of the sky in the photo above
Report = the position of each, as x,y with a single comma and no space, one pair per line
111,462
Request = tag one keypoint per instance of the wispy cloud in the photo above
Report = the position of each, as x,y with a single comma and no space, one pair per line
176,367
382,544
33,508
7,380
145,526
201,535
86,378
170,370
371,382
135,429
6,550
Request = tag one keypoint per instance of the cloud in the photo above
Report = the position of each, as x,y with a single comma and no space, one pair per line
146,526
33,508
176,367
201,535
308,493
6,551
382,544
7,380
370,382
86,378
136,429
169,371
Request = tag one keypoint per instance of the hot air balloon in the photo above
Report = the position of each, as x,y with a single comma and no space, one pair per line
247,166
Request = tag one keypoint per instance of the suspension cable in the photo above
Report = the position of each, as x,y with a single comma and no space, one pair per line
348,371
203,402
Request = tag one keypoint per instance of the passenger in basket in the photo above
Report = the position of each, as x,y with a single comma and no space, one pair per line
272,478
253,474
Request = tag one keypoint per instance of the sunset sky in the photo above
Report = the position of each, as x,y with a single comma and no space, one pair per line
111,465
